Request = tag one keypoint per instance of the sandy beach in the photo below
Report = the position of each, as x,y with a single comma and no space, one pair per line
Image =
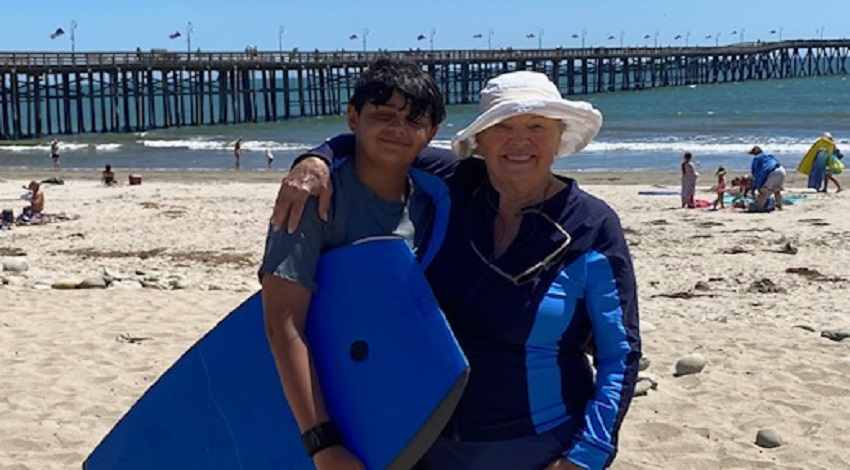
751,293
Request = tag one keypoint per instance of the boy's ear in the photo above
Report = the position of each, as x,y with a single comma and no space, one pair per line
353,118
433,133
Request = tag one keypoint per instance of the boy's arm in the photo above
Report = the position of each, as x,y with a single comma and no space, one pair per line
288,280
438,161
285,305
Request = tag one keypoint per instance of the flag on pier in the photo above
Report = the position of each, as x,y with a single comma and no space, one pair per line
174,35
57,33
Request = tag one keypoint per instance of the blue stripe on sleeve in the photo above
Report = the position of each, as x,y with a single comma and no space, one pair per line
596,444
541,351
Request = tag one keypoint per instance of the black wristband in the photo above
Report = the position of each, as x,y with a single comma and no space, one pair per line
320,438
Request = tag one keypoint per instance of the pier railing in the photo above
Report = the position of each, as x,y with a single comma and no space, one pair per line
162,57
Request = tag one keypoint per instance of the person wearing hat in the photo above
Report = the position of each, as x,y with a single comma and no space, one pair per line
533,272
824,164
769,177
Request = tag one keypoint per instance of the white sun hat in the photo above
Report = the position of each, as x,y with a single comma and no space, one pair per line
524,92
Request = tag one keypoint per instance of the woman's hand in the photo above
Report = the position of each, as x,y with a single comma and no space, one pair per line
563,464
311,177
337,458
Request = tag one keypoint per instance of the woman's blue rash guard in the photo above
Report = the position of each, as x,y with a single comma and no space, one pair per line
526,344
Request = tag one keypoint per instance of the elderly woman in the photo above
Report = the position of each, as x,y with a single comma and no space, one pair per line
533,272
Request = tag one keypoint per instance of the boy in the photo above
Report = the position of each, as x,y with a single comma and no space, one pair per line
394,113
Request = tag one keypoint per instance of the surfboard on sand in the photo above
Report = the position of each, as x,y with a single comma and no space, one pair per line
390,369
805,166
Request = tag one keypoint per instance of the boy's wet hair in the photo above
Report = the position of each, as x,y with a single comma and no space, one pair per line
376,86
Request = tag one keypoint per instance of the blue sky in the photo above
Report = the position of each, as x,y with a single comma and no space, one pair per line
327,24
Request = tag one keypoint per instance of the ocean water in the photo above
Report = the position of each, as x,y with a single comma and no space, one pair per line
642,130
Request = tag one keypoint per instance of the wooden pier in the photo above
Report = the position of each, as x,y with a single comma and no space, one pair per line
42,94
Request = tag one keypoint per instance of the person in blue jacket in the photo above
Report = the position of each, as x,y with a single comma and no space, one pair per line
532,274
769,176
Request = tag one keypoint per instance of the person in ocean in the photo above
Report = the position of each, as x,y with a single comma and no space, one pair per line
269,159
394,113
237,153
720,188
54,154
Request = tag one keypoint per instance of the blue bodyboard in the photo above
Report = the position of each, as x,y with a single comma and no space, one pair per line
389,367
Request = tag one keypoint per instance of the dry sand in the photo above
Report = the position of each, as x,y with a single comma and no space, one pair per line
68,371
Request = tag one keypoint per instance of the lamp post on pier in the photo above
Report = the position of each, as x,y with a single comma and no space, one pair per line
280,32
582,35
73,36
190,28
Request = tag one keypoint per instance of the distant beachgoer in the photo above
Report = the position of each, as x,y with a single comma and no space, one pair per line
269,158
237,152
54,154
107,176
720,188
818,175
769,176
742,186
35,211
689,181
834,166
